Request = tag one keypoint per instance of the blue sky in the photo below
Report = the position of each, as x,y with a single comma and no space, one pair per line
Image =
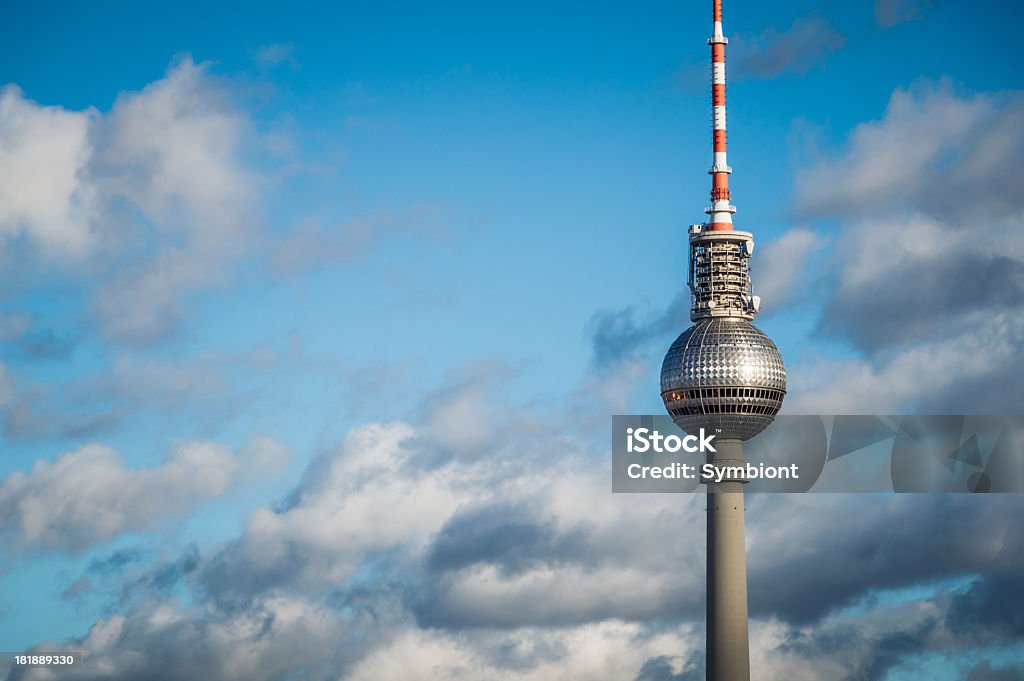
241,248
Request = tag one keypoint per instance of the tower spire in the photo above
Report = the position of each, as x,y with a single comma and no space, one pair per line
719,255
720,209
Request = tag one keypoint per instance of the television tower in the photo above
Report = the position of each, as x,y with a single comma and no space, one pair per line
725,375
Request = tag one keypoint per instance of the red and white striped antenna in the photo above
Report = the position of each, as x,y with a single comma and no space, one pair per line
721,209
719,275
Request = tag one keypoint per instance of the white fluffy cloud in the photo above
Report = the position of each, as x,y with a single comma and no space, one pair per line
934,151
89,495
43,196
153,199
974,370
383,567
400,555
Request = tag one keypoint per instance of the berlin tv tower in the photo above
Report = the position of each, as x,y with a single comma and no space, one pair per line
725,375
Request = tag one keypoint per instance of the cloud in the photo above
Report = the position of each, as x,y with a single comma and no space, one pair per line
291,637
269,640
931,278
974,370
992,606
985,671
152,200
399,556
275,54
317,243
89,496
780,267
867,552
608,650
25,412
439,526
43,197
173,153
358,502
77,589
501,535
798,49
115,562
505,542
617,335
663,668
928,289
889,13
204,390
934,152
156,200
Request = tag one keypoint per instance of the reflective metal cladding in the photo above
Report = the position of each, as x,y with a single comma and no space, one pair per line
724,374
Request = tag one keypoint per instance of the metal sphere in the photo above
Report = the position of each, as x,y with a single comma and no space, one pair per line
723,374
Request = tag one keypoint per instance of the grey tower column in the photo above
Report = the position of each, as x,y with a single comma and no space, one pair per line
728,656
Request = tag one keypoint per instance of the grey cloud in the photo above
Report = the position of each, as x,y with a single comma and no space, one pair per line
661,669
928,293
488,632
985,671
131,575
319,243
471,557
172,153
503,535
933,296
207,388
271,640
199,394
857,552
45,344
797,49
865,656
446,528
889,13
275,54
617,335
76,589
116,561
958,374
991,609
168,575
506,567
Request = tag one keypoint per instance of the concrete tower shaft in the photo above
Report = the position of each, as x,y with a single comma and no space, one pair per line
727,644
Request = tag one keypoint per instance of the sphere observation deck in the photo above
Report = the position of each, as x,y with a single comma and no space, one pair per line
723,374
